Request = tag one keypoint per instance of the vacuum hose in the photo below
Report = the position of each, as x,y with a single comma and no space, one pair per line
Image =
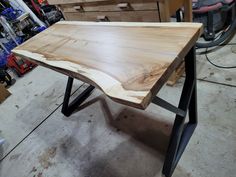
224,37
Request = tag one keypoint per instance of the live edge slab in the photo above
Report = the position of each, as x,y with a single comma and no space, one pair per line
129,62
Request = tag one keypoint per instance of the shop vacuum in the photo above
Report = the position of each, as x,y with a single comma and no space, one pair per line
218,18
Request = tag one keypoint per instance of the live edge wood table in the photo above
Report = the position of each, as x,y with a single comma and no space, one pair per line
129,62
127,11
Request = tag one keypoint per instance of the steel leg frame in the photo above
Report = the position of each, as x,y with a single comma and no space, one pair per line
69,108
181,131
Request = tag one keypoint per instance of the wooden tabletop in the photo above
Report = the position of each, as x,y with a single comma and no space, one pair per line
129,62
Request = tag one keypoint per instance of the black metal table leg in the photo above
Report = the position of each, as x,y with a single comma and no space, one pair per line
68,108
181,131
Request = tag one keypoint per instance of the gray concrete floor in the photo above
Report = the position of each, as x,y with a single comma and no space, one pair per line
106,139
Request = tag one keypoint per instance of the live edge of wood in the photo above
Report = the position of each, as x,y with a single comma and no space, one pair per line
129,62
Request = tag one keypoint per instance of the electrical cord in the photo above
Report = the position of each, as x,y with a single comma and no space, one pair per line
216,65
214,42
227,44
222,44
226,34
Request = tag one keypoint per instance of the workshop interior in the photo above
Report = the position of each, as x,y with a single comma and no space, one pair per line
117,88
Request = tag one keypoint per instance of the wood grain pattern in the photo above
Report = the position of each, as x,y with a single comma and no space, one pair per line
188,11
129,62
97,2
128,16
110,7
71,1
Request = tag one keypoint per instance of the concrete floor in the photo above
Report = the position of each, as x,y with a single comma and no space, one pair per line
106,139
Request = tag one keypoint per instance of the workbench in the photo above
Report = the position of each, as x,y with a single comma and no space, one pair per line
129,62
120,10
170,7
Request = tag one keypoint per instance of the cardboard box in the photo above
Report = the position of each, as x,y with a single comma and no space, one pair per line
4,93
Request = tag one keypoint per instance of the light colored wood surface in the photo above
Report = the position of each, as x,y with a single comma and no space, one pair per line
188,11
129,62
164,8
128,11
128,16
179,71
110,7
71,1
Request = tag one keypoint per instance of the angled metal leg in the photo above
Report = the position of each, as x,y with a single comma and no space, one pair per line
181,131
68,108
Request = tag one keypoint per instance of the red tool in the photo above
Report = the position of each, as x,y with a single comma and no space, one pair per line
18,65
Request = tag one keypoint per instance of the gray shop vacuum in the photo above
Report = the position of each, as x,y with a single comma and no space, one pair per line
218,18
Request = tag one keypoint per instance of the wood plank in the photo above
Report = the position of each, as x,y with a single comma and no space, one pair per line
62,2
129,62
128,16
188,14
109,7
176,75
72,1
165,11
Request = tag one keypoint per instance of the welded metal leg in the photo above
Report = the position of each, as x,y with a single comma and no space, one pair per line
181,131
68,108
